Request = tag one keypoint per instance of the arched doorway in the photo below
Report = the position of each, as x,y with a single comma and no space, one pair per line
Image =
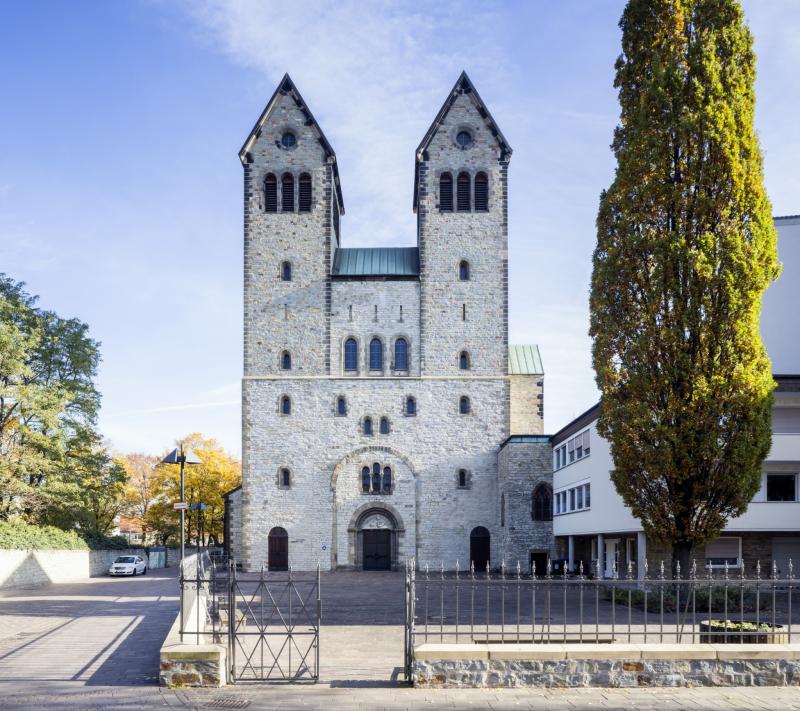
376,541
278,549
479,541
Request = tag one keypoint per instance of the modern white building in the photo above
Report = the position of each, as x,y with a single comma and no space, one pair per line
593,526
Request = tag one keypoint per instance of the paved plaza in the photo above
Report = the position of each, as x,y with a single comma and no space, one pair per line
94,645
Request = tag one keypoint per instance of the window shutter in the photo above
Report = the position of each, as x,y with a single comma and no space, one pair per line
481,193
271,193
304,187
287,196
446,192
463,192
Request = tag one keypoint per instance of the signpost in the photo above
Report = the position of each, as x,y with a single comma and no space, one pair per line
179,456
180,505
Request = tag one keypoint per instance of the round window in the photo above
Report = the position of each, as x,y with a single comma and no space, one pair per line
463,138
288,140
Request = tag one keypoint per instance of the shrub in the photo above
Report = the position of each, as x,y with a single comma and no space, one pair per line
16,534
99,541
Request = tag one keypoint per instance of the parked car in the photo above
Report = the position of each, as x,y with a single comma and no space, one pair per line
128,565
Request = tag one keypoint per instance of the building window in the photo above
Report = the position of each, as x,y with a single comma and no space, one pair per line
351,354
286,405
462,192
724,552
463,361
286,360
383,427
366,427
446,192
463,405
574,449
270,193
387,480
572,499
284,478
781,487
288,139
341,406
365,480
375,354
401,354
587,495
463,138
542,503
376,478
411,407
481,193
463,270
286,271
287,192
304,192
502,510
462,480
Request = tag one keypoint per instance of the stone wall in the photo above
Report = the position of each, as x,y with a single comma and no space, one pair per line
32,568
527,407
606,665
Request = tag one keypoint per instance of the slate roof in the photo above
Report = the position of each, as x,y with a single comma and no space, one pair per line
360,262
524,360
286,86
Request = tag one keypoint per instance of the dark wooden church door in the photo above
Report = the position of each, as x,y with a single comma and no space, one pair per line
278,549
377,549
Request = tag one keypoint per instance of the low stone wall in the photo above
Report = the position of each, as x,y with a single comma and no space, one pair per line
32,568
605,665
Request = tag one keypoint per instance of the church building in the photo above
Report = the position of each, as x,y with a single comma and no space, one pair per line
385,415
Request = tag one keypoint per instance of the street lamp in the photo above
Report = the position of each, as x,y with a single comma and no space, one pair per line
179,456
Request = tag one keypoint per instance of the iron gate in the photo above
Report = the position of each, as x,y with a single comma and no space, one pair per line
273,625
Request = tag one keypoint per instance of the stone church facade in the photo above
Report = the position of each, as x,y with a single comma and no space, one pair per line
385,414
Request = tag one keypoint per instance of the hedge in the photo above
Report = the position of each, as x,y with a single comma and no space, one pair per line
16,534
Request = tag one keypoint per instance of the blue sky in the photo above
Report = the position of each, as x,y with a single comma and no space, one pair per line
120,187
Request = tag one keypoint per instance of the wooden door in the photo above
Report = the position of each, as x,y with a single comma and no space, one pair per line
278,549
377,549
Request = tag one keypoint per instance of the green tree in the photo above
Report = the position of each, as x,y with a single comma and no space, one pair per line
49,447
685,249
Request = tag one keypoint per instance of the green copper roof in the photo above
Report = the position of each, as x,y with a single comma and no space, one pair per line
376,262
524,360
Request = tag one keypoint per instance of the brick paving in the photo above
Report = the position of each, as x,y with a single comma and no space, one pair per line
94,645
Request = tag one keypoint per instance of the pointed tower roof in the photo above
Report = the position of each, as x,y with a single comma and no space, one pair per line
464,85
286,86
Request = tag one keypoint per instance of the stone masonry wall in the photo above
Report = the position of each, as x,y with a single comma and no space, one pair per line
523,466
527,409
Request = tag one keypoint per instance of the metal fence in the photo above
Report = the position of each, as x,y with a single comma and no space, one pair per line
705,606
269,620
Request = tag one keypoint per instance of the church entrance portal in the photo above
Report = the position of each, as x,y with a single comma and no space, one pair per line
479,548
377,550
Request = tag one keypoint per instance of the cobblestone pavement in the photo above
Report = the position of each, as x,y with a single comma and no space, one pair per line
94,645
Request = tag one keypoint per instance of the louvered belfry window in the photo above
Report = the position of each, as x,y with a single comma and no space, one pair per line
446,193
304,192
481,193
463,192
271,193
287,192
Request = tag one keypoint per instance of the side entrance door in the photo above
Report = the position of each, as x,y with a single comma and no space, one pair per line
377,549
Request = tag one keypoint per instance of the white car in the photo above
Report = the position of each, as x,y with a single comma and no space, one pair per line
128,565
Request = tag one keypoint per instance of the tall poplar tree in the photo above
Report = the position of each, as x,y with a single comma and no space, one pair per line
686,247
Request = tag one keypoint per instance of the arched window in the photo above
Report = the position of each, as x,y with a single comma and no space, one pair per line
502,510
463,360
351,354
384,426
341,406
286,360
270,193
278,549
445,192
481,193
387,480
542,509
401,354
463,405
365,480
286,271
462,192
376,478
367,426
284,478
411,406
304,192
287,192
463,270
286,405
375,354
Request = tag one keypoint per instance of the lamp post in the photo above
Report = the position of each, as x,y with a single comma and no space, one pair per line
179,456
